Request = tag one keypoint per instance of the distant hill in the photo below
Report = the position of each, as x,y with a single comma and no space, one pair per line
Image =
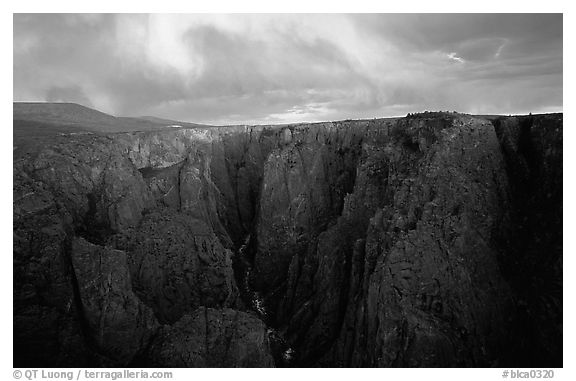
170,122
36,124
65,114
40,118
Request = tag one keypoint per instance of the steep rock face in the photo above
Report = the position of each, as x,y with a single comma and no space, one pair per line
209,337
76,186
47,329
304,183
177,167
532,147
214,174
73,298
240,178
164,184
178,264
426,287
94,181
403,276
117,322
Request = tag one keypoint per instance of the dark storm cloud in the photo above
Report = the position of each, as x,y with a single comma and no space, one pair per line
236,65
281,68
428,32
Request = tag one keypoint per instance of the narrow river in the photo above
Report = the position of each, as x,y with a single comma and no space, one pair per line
282,352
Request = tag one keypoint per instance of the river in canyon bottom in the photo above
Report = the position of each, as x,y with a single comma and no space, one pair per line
283,354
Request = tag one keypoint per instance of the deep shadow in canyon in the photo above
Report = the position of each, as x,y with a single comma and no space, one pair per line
428,241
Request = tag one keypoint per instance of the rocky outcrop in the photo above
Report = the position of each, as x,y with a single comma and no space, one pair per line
178,264
77,299
212,338
426,288
47,328
433,240
117,322
76,187
213,174
405,262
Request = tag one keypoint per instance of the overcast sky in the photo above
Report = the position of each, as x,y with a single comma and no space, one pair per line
285,68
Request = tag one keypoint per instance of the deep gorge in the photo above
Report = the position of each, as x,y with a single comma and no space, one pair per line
432,240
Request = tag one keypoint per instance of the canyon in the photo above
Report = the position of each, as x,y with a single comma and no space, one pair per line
433,240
